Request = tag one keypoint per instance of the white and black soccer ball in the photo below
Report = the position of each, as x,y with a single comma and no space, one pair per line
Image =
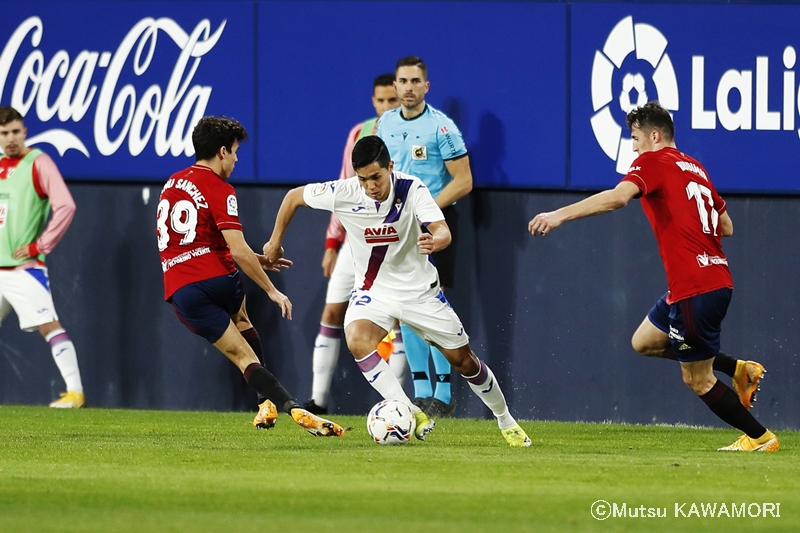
391,422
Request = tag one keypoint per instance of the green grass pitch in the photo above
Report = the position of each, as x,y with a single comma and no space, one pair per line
98,470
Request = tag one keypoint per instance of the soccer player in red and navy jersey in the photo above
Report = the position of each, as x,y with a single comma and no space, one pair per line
689,219
200,240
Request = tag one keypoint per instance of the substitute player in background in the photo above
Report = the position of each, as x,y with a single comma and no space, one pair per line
30,187
384,212
337,264
424,142
688,218
200,240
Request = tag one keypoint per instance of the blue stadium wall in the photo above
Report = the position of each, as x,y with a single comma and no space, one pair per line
539,91
553,317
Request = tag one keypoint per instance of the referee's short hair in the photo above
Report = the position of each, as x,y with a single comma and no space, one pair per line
368,150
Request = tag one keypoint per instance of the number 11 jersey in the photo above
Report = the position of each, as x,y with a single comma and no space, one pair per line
194,207
683,208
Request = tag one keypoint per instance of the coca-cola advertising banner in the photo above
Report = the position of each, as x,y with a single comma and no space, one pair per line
112,90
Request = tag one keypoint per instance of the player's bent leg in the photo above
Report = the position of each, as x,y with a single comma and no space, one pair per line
253,339
232,345
724,403
483,383
698,375
240,318
649,340
363,337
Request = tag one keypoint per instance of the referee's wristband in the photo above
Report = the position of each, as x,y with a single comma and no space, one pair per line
33,250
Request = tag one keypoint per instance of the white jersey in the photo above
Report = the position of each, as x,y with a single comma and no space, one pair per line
383,236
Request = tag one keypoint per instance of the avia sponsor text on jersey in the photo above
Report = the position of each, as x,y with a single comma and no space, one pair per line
385,234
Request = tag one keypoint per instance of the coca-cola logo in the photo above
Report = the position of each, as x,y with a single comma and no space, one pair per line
126,116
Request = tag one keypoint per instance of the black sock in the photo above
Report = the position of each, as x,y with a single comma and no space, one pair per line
266,385
724,403
725,363
254,340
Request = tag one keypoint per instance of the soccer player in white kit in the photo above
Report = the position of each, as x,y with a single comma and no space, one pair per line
384,213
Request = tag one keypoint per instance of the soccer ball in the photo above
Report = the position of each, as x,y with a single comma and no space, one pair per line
391,422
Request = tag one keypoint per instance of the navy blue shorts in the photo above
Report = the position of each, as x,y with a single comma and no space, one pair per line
693,324
205,307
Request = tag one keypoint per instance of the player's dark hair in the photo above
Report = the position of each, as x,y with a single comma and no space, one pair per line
368,150
211,133
9,114
384,80
413,61
652,116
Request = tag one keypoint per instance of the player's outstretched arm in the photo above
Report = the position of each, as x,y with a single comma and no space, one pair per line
602,202
248,261
293,199
438,239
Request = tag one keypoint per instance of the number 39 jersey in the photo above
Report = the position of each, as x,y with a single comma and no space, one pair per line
194,207
683,208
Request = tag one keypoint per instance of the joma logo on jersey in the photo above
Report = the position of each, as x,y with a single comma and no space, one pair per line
382,235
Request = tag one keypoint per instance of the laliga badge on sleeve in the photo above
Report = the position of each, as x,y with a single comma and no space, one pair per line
319,188
233,206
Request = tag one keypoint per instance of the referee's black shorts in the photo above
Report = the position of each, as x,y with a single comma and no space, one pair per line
445,260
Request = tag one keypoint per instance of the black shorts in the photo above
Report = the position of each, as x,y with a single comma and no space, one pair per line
206,307
445,260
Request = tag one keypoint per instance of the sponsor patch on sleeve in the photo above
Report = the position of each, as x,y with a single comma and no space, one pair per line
319,188
233,206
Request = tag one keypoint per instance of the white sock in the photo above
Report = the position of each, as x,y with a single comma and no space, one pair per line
485,386
398,362
325,356
66,359
380,376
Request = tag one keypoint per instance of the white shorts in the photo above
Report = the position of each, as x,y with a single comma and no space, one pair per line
431,317
28,293
343,276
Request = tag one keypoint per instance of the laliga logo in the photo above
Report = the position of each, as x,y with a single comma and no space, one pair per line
649,44
135,117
